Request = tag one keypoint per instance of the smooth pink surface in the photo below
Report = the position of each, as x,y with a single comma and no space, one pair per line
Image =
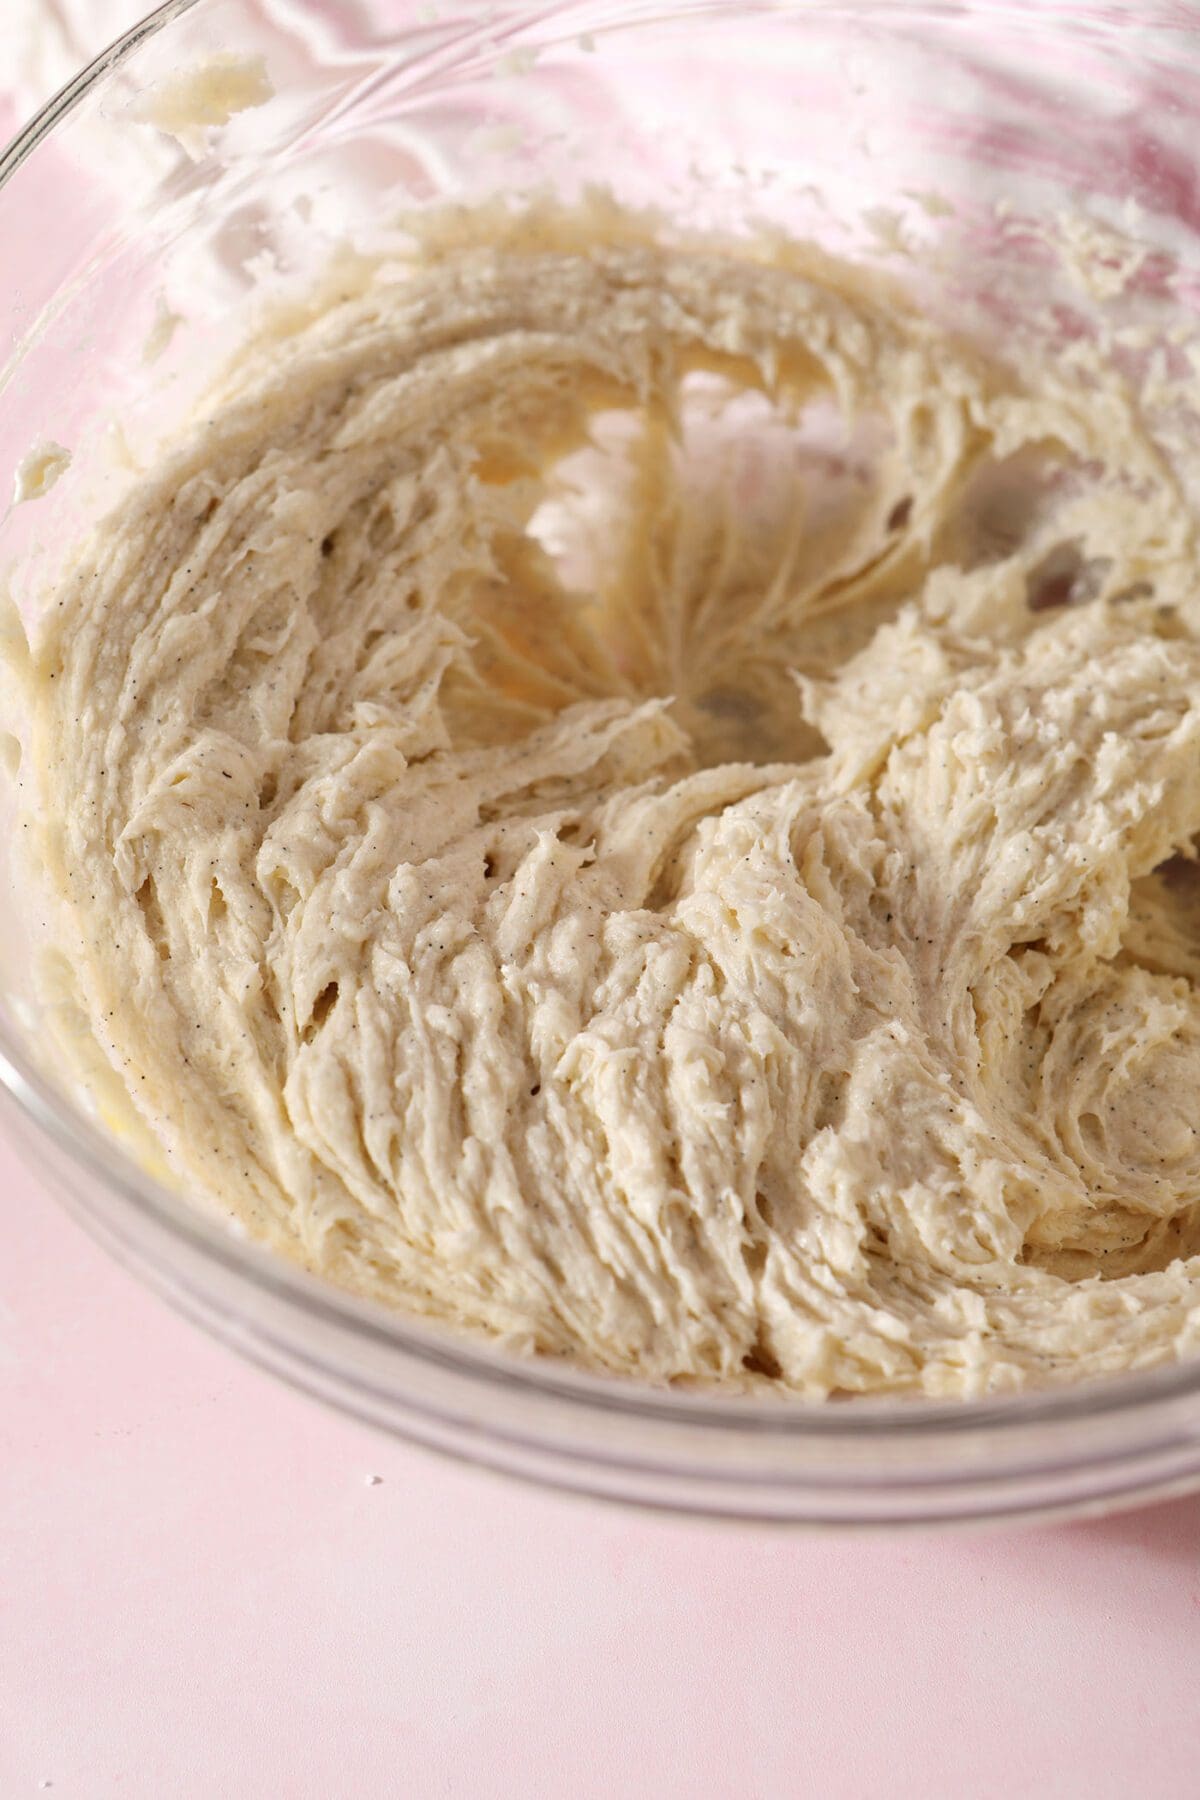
202,1595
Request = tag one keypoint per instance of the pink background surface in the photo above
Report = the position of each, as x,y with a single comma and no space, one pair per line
203,1593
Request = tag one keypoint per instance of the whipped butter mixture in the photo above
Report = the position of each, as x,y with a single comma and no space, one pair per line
639,800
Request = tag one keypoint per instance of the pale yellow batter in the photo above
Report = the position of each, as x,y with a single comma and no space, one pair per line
640,801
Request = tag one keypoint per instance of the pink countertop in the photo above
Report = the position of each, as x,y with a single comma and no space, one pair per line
204,1594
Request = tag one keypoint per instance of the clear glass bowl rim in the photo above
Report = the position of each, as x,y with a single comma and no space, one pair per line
1150,1399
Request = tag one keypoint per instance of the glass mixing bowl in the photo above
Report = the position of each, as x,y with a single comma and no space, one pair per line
936,141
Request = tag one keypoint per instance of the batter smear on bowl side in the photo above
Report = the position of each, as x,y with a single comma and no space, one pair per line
638,799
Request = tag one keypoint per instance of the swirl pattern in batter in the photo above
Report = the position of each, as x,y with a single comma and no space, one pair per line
638,799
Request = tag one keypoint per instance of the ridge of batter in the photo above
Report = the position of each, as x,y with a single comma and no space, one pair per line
638,799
